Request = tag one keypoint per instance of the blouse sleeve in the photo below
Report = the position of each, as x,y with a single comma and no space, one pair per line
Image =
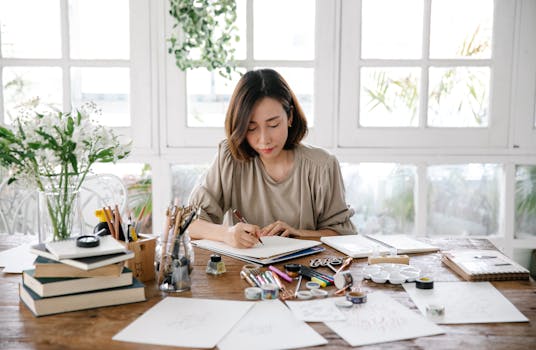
334,213
209,193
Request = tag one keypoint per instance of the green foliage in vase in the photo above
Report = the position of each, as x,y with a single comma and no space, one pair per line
206,36
53,151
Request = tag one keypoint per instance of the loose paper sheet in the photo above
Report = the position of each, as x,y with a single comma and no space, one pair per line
185,322
18,259
272,246
381,319
466,302
270,325
321,310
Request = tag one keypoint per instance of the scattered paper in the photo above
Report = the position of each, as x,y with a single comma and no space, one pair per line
185,322
270,325
379,320
321,310
465,302
18,259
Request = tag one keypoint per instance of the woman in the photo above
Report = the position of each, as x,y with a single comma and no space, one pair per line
281,186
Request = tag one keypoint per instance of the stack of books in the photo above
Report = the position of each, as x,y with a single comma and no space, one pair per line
68,278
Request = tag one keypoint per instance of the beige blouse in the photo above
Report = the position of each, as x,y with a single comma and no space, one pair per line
310,198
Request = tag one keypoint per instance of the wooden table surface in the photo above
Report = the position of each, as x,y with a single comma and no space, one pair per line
94,329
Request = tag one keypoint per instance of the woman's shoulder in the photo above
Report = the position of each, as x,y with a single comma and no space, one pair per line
315,155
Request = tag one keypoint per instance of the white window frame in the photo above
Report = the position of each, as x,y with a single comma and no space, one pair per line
493,136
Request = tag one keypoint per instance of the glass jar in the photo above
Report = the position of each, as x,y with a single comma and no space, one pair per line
215,265
175,264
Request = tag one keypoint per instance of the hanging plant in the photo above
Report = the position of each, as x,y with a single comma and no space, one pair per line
207,32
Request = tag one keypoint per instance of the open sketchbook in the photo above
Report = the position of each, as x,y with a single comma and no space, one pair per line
361,246
274,249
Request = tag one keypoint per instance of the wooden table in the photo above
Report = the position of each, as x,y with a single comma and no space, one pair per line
94,329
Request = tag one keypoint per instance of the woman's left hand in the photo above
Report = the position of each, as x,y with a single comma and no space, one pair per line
279,228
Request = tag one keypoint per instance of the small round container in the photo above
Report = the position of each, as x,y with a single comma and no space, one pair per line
304,294
253,293
356,297
379,277
293,270
319,293
424,283
396,278
312,285
269,291
343,303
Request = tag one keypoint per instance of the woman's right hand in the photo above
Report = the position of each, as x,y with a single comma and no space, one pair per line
242,235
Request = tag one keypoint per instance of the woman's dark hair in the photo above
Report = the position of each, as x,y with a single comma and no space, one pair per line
252,87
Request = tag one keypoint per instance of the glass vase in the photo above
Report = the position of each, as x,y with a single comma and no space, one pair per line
59,215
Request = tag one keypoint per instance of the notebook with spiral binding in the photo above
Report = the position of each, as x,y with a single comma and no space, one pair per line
484,265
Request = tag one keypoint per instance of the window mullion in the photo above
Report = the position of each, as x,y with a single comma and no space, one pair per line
65,54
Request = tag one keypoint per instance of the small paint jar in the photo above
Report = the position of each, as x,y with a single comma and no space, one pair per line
215,265
293,270
269,291
356,297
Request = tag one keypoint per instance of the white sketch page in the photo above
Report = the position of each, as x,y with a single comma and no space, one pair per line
320,310
272,246
18,259
185,322
270,325
381,319
466,302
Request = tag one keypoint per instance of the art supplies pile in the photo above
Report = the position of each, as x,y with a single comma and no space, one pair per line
69,278
274,249
484,265
175,252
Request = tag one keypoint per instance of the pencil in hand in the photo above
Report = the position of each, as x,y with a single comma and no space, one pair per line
240,218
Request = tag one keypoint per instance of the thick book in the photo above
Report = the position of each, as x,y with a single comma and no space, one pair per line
274,249
67,248
49,287
73,302
361,246
51,268
88,263
484,265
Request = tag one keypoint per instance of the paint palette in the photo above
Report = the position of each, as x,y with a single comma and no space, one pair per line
392,273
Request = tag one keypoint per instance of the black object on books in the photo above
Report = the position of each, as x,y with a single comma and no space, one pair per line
87,263
49,287
73,302
51,268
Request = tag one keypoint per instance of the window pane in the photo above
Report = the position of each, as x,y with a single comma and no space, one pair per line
22,84
99,29
208,96
463,200
382,195
458,97
461,28
241,24
109,88
301,81
391,29
389,97
284,29
30,28
525,201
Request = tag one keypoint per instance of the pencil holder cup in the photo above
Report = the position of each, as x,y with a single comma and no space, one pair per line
144,255
174,264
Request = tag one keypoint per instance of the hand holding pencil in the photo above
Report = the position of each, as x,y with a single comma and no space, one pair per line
249,231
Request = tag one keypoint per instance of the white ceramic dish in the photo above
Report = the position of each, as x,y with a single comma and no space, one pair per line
394,273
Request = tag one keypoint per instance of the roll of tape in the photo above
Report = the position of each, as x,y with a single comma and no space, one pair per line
253,293
424,283
356,297
319,293
312,285
435,310
304,294
343,279
269,291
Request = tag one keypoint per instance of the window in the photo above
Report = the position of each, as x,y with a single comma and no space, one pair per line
424,73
